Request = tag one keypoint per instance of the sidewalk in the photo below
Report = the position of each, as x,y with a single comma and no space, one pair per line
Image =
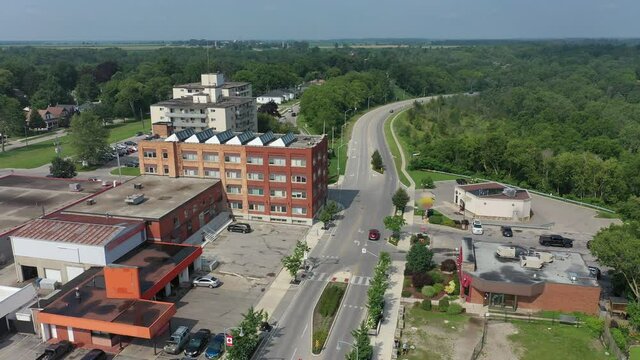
383,343
18,143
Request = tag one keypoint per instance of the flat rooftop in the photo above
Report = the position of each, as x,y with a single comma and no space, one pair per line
298,141
187,102
161,196
564,266
495,190
23,198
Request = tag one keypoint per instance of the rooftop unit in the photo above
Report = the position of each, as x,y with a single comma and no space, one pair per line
531,262
134,199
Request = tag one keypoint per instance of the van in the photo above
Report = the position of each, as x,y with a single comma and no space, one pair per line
177,341
239,227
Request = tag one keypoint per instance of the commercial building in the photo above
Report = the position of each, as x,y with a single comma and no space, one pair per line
527,282
494,201
277,96
269,177
211,104
14,313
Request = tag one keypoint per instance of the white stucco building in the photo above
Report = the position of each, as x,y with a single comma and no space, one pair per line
277,96
493,201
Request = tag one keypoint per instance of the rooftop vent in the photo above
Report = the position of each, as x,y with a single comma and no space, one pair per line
75,187
91,202
510,192
134,199
137,186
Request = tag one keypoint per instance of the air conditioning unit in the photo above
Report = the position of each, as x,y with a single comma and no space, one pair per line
137,186
134,199
531,262
91,202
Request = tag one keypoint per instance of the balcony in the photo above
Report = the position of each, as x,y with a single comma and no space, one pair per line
185,115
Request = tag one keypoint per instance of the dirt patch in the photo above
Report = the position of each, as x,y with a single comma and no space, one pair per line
468,339
497,345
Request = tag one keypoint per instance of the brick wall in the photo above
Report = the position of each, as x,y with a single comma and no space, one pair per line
565,298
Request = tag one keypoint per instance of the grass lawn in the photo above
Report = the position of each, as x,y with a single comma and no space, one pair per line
634,353
607,215
418,175
544,341
395,152
128,129
435,333
126,171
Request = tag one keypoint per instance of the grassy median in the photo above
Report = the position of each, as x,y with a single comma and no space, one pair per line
324,314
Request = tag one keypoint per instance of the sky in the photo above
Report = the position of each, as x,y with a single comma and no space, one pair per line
92,20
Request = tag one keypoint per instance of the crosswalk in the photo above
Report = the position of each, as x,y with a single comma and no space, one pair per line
354,280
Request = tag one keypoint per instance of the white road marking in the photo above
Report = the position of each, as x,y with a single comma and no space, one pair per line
305,330
294,353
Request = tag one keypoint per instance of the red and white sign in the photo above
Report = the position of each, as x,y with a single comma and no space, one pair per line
229,340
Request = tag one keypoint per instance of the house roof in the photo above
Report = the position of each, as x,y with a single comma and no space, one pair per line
481,186
72,232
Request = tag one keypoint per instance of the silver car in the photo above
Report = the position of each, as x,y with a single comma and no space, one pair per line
208,280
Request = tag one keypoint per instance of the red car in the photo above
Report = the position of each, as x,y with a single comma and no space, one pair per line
374,234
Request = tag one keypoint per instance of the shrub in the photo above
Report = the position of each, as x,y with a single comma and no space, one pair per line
594,324
443,304
407,272
319,337
619,338
614,324
457,289
414,239
406,282
454,309
448,265
438,287
436,219
406,293
436,276
429,291
330,301
427,182
450,288
421,279
426,305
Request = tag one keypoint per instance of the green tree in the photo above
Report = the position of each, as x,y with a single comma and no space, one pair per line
131,93
89,137
325,216
400,199
332,207
294,261
11,118
6,81
376,161
395,224
419,259
35,120
62,168
618,246
362,349
244,346
49,93
270,108
86,89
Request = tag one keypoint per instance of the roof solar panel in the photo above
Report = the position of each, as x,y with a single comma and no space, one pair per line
224,136
288,139
267,137
184,134
204,135
245,137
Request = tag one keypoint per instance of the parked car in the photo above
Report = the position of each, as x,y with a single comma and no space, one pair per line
207,280
216,347
239,227
95,354
461,181
177,340
391,111
132,163
506,231
476,227
130,143
56,351
139,133
555,240
374,234
197,343
594,272
293,114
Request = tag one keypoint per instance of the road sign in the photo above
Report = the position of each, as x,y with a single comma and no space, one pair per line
229,340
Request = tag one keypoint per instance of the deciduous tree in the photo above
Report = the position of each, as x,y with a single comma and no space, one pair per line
89,137
62,168
12,120
362,349
294,261
400,199
376,160
395,224
244,346
419,258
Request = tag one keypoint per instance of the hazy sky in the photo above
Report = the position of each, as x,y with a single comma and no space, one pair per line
317,19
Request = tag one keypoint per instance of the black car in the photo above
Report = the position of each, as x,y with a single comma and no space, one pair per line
555,240
95,354
506,231
198,343
594,272
239,227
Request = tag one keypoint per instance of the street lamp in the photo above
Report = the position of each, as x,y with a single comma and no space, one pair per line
345,115
350,344
226,331
368,98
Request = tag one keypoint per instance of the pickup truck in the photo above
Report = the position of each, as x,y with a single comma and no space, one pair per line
56,351
555,240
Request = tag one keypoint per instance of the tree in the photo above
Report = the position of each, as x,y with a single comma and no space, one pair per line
400,199
270,108
35,120
395,224
332,207
49,93
294,261
618,246
86,89
419,258
325,216
244,346
89,137
62,168
362,349
376,161
11,118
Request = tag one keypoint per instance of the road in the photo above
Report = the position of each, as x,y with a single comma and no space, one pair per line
366,196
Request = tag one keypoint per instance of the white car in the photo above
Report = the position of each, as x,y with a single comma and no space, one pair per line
476,227
208,280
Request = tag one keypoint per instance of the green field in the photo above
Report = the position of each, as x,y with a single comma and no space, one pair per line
395,152
36,155
126,171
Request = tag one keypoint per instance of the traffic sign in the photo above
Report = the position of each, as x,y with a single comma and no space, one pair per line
229,340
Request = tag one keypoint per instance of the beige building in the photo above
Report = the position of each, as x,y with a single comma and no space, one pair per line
210,104
494,201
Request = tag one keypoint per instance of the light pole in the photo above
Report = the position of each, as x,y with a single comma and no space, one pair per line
350,344
345,115
368,98
226,331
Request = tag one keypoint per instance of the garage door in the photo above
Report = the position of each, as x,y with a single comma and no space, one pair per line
73,271
53,274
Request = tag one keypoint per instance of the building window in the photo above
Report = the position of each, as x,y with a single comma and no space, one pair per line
279,193
255,160
150,169
278,208
255,176
150,153
190,172
213,173
211,157
166,169
236,205
233,174
232,189
256,207
232,158
278,177
298,163
299,179
277,161
189,156
258,191
299,210
299,194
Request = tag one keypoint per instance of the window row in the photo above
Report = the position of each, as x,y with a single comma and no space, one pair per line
234,159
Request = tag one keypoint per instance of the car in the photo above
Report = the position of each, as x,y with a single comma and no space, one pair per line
555,240
207,280
95,354
132,164
594,272
93,179
56,351
506,231
293,114
216,347
197,343
130,143
476,227
239,227
374,234
391,111
177,340
139,133
148,137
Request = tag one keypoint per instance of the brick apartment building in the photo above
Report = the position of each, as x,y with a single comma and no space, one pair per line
268,177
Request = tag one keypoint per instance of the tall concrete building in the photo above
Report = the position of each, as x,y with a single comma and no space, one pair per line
210,104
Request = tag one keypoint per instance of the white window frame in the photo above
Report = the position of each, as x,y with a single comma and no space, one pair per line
234,192
211,157
280,209
190,156
231,158
299,163
298,194
278,193
277,161
298,210
295,178
189,172
150,154
215,171
255,160
274,177
149,169
256,176
256,207
260,191
238,205
230,171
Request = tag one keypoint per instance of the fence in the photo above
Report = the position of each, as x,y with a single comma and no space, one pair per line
607,339
477,350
